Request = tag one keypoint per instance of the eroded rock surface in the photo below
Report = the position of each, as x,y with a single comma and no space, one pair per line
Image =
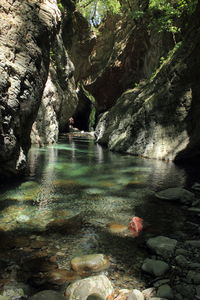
59,98
27,30
159,118
99,286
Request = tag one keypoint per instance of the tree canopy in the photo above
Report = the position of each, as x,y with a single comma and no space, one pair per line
165,15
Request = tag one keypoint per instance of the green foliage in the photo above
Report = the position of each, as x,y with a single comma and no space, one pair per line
61,6
137,14
165,60
167,14
96,10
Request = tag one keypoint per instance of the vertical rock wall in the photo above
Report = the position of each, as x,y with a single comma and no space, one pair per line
160,118
59,99
27,29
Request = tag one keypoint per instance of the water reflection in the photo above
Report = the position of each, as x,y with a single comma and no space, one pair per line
81,176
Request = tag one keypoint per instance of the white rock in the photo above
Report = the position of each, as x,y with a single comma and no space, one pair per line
150,292
99,286
135,295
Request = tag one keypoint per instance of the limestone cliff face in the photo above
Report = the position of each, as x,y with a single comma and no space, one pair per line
27,29
59,99
120,54
160,118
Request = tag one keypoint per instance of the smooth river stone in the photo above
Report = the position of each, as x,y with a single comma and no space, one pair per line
92,262
95,287
155,267
61,276
117,228
162,246
176,194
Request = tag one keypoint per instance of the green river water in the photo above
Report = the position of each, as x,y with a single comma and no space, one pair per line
79,177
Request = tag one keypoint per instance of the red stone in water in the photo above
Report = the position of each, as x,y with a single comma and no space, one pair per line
136,226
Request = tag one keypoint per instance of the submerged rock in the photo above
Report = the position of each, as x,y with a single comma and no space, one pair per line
40,264
117,228
92,262
48,294
61,276
162,246
176,194
66,226
155,267
99,286
165,291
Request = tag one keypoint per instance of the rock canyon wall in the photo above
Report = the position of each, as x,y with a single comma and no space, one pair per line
28,31
160,117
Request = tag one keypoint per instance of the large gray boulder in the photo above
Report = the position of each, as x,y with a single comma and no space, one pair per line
162,246
98,286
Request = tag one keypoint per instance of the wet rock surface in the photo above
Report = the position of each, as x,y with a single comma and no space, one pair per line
92,263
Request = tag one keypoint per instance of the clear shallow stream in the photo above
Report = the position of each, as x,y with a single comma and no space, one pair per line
79,177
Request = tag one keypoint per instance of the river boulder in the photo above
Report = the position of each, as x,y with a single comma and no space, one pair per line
98,286
155,267
162,246
92,262
177,195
